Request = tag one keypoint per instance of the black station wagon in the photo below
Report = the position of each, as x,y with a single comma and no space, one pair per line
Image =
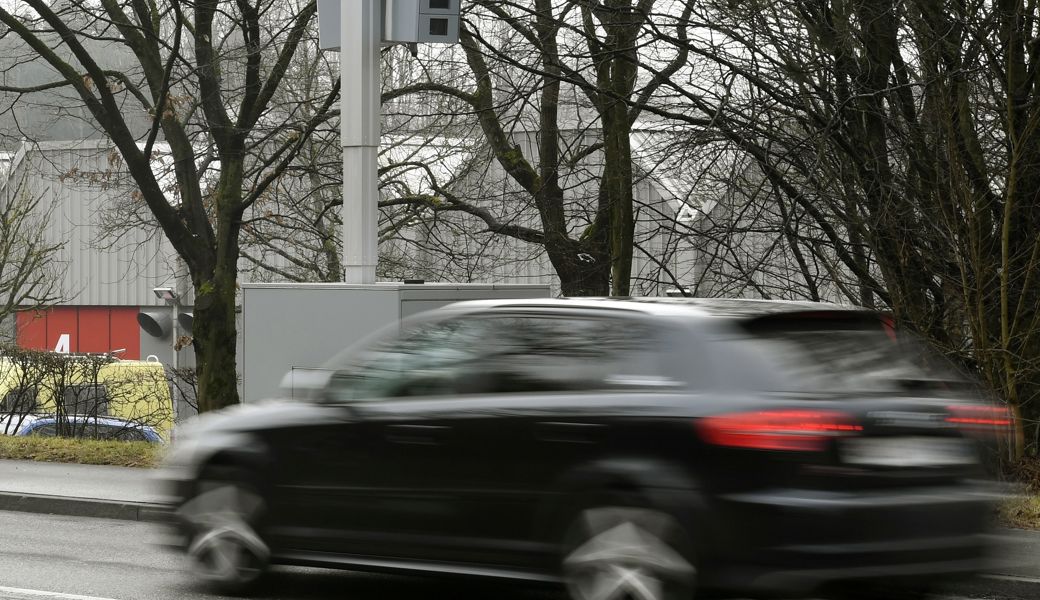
652,449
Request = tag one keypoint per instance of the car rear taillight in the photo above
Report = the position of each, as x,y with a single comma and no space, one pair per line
980,418
797,430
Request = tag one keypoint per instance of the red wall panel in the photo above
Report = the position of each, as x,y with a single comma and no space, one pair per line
32,329
60,321
90,329
124,331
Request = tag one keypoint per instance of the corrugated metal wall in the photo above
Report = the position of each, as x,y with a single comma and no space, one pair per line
79,182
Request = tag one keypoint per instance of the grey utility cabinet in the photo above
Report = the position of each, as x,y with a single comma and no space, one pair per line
295,327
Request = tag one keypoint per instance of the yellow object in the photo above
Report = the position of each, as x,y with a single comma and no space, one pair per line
135,390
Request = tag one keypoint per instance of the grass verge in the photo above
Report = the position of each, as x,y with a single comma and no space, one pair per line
1023,511
87,452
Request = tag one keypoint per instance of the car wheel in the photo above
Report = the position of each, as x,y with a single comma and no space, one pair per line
225,550
623,553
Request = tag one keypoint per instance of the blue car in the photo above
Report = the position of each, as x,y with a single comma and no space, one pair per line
90,427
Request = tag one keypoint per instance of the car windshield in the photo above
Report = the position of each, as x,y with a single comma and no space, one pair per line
857,355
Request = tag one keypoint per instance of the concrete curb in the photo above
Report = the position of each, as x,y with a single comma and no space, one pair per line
82,507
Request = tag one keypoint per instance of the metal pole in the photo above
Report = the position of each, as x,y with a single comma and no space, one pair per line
175,333
361,30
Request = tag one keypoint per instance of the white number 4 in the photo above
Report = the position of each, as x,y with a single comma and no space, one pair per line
63,344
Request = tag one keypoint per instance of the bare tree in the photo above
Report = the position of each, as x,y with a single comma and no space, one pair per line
22,381
29,270
205,73
901,137
530,67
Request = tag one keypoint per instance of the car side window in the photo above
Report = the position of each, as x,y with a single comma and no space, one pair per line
427,360
49,430
550,353
124,433
131,435
85,399
20,400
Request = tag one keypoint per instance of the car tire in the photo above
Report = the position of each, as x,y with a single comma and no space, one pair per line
225,550
623,552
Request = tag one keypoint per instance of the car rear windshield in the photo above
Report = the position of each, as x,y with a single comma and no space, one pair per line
856,352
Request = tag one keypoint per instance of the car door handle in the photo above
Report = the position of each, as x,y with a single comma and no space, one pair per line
566,432
423,435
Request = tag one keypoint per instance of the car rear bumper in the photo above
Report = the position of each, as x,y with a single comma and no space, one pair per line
790,542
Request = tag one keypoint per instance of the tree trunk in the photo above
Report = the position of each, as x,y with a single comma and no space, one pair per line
583,267
617,182
214,331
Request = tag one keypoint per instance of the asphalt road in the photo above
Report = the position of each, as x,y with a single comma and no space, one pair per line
46,557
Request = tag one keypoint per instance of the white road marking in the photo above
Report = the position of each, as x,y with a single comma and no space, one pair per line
1018,578
22,592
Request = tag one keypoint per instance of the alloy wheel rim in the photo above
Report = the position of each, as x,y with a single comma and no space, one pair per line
224,555
625,555
227,550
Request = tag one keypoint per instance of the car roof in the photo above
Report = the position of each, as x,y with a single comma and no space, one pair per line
733,308
46,419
